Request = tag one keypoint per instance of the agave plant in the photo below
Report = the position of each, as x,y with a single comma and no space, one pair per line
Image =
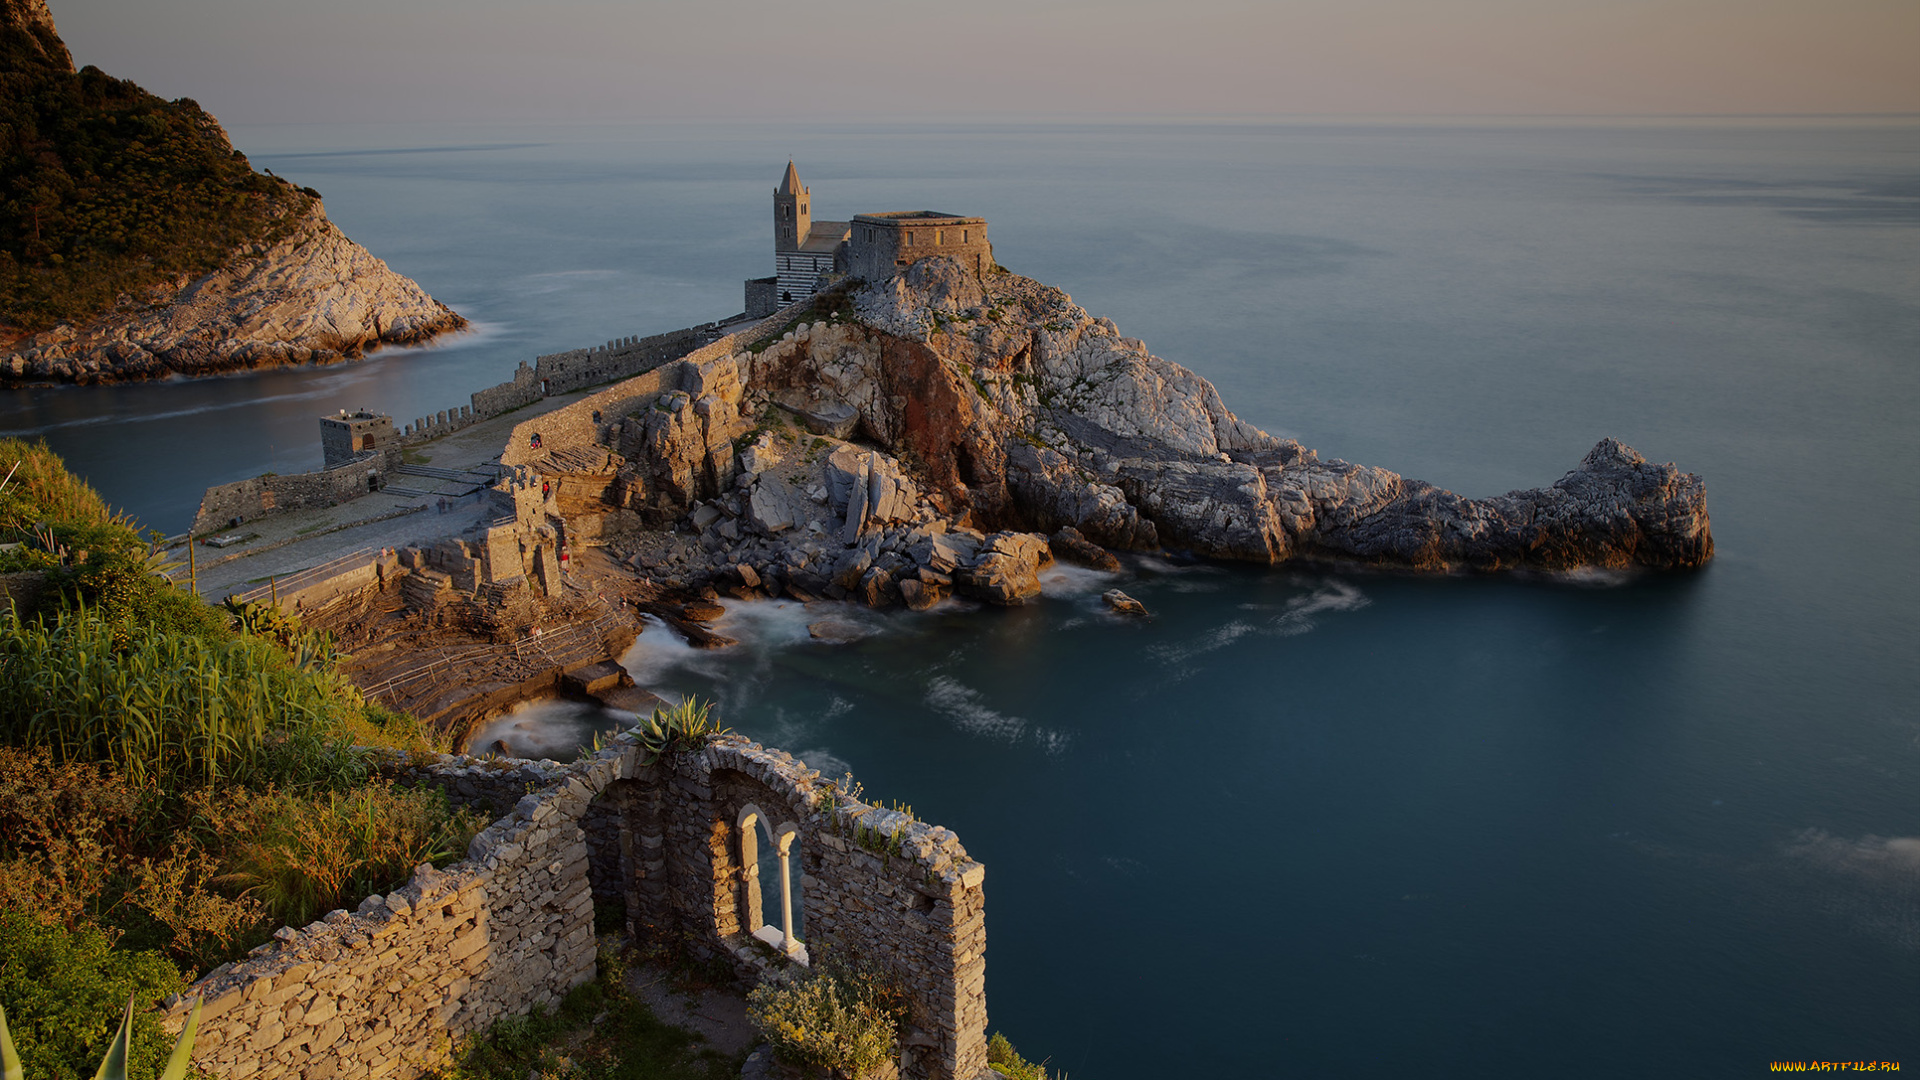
686,726
114,1065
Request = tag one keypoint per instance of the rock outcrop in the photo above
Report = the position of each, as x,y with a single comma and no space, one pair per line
137,243
314,297
971,418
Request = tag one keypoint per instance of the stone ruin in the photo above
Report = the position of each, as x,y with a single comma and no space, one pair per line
384,990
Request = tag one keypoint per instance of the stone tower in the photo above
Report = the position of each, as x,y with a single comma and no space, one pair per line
804,250
792,212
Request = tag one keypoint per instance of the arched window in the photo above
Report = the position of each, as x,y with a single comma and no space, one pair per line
782,838
366,441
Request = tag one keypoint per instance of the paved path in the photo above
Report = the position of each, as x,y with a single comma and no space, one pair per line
294,540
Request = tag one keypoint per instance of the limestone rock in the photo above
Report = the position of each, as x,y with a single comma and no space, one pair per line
1068,545
1122,604
315,297
1007,571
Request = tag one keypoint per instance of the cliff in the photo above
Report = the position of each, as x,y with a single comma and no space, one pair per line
910,439
310,297
136,242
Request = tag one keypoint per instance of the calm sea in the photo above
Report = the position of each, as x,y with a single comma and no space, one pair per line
1306,823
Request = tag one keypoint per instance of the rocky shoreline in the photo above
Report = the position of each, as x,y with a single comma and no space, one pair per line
315,297
940,437
940,434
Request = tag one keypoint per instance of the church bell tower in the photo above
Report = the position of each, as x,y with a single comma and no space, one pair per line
792,212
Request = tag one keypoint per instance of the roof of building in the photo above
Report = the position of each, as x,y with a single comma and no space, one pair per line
790,183
912,217
825,236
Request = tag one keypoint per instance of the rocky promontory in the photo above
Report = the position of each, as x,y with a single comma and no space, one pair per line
137,243
311,297
942,434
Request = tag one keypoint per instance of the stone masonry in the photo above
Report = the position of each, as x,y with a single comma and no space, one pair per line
386,990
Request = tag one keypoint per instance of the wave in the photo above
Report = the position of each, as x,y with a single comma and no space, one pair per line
961,703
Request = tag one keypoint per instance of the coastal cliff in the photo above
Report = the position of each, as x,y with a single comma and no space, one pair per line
136,242
310,297
942,433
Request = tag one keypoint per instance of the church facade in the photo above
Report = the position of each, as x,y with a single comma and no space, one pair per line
808,255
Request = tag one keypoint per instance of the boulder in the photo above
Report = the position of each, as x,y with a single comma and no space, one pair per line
1068,545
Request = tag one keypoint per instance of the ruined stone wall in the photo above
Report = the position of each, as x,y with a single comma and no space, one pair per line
384,990
873,883
266,494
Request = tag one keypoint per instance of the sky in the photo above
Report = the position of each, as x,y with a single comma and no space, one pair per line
277,61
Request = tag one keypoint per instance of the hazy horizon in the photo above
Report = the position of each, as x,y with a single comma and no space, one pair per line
275,61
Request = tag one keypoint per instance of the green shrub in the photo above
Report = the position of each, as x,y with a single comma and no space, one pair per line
1002,1058
677,729
834,1016
65,992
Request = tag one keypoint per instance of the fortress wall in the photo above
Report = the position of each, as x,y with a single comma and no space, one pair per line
522,389
573,426
560,373
262,495
382,991
579,368
445,422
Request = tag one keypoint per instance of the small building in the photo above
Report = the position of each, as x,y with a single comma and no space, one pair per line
882,244
807,254
345,435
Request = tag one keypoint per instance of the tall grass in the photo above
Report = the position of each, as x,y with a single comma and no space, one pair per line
178,707
301,856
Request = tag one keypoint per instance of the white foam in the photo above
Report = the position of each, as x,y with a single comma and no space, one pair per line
547,728
962,704
1328,596
1062,581
1218,638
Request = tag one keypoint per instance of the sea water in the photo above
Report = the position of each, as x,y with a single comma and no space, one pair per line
1301,822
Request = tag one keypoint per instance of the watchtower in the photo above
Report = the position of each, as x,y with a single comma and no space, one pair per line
345,436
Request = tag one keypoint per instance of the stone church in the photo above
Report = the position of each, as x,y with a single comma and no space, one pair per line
809,255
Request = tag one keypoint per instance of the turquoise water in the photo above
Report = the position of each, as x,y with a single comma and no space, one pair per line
1303,822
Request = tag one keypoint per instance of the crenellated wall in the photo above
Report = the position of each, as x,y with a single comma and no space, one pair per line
384,991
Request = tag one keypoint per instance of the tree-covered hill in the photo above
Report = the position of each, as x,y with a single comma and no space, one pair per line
106,190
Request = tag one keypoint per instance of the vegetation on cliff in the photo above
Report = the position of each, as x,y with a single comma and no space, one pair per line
109,190
175,781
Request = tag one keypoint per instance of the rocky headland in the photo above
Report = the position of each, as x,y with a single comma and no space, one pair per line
311,297
137,243
944,434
